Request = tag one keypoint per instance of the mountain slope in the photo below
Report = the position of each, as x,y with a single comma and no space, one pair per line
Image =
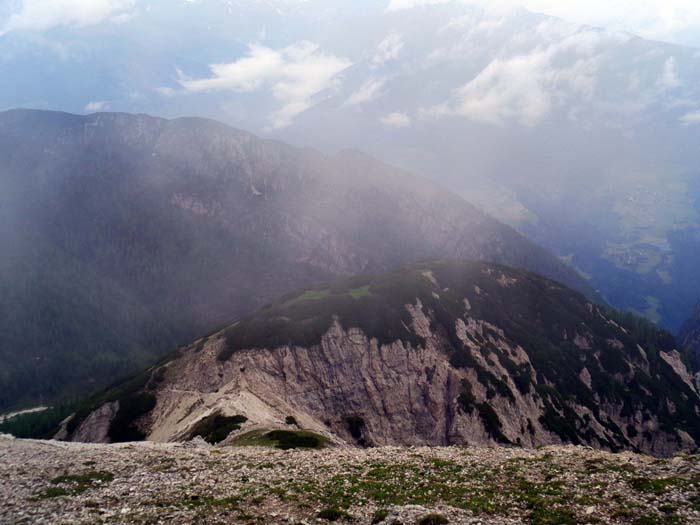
436,353
124,235
689,339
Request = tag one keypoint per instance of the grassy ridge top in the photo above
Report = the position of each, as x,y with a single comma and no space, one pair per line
503,296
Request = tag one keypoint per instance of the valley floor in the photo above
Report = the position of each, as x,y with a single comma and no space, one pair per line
64,483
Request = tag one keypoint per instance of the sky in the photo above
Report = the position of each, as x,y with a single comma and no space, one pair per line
675,21
491,100
88,55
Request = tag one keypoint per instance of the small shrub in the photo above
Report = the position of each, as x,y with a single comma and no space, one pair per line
433,519
216,427
84,479
291,420
332,514
379,516
287,439
52,492
546,515
652,486
73,484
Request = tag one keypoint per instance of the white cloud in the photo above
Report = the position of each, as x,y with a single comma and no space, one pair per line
397,5
246,74
98,105
396,120
388,49
166,91
526,87
42,15
675,21
293,75
691,119
669,77
507,89
367,92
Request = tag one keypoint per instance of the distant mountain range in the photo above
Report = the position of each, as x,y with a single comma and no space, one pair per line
583,139
126,235
437,353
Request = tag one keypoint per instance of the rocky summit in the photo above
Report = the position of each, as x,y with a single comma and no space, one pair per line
147,483
436,353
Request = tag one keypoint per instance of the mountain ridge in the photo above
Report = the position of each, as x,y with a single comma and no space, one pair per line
127,235
437,353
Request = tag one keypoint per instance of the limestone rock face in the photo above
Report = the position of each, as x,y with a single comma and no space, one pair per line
440,353
95,427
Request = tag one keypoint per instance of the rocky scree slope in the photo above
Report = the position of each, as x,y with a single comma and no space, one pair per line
437,353
126,235
48,482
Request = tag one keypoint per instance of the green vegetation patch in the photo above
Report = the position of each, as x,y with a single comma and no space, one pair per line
53,492
84,480
433,519
281,439
379,516
310,295
196,500
288,439
359,293
654,486
36,425
332,514
538,489
216,427
74,484
376,305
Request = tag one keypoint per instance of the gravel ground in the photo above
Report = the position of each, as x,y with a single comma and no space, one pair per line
48,482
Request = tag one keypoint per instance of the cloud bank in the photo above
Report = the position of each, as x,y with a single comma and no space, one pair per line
294,75
396,120
96,106
42,15
388,49
371,90
676,21
525,88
